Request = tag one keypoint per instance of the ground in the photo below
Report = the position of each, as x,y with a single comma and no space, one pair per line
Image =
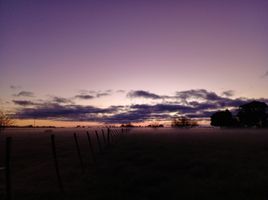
163,163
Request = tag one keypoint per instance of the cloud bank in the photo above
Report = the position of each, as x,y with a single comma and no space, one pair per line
198,103
25,94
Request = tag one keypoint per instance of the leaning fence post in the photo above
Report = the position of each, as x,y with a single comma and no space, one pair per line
103,135
98,141
7,168
54,152
108,137
79,153
91,148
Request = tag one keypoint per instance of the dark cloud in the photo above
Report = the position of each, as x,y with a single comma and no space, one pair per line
15,87
25,94
24,103
228,93
192,103
266,74
162,108
143,94
61,100
91,94
102,94
198,94
84,96
66,112
200,114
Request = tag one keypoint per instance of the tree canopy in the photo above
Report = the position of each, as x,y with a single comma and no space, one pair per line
183,122
222,119
5,121
252,114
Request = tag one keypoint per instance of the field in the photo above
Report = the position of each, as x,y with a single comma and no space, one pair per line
144,163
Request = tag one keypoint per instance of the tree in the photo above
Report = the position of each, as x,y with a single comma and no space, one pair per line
253,114
5,121
127,125
155,125
222,119
183,122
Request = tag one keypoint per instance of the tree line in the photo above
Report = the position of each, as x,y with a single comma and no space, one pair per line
249,115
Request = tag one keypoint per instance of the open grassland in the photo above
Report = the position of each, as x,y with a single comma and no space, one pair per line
161,163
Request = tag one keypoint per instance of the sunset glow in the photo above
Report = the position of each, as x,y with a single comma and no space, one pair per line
111,62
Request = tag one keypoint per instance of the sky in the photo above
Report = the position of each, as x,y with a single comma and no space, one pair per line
117,61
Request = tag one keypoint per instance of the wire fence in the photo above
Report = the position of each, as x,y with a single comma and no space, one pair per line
56,153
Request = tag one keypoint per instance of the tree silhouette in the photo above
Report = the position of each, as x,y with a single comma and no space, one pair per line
253,114
5,121
222,119
155,125
127,125
183,122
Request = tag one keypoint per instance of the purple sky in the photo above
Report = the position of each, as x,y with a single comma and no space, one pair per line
66,48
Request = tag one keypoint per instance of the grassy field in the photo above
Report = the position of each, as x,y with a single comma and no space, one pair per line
162,163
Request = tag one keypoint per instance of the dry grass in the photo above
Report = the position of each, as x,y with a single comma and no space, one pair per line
145,164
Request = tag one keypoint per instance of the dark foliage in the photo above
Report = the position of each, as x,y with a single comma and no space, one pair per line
5,121
155,125
253,114
183,122
222,119
127,125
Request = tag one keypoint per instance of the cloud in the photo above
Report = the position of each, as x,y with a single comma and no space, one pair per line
98,95
120,91
84,96
61,100
162,108
24,103
91,94
192,103
15,87
143,94
266,74
67,112
197,94
25,94
228,93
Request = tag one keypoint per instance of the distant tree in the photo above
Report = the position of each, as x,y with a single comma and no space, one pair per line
5,121
155,125
183,122
222,119
253,114
127,125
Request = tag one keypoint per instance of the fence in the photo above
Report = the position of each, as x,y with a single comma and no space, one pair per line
104,141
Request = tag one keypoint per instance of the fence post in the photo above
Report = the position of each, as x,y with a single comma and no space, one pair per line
7,168
98,141
108,137
91,148
54,152
103,135
79,153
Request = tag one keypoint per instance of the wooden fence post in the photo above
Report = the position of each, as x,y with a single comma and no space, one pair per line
98,141
108,137
103,135
79,153
54,152
91,148
7,168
